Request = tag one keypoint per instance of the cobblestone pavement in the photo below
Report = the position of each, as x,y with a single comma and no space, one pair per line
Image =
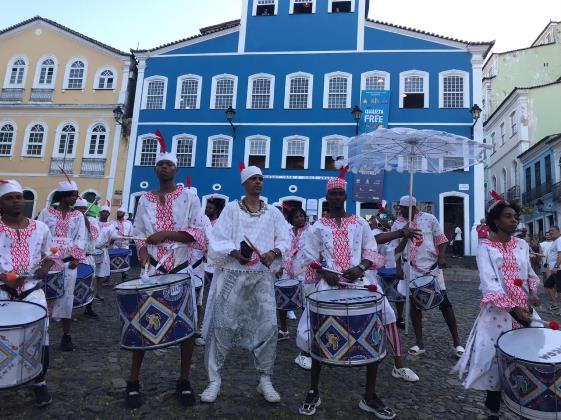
88,383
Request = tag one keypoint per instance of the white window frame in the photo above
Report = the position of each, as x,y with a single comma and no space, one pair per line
58,132
324,141
285,141
139,143
254,12
464,75
330,5
502,131
26,139
38,73
67,72
267,148
11,62
291,10
209,150
289,78
493,142
215,80
89,140
327,77
513,123
374,73
426,87
98,75
145,91
250,81
180,79
14,136
174,142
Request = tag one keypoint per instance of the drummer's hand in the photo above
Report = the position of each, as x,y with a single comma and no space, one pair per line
143,257
42,273
412,233
523,314
278,274
535,300
441,262
353,273
73,264
332,279
267,258
156,238
238,256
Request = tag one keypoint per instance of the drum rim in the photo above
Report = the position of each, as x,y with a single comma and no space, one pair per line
126,251
29,381
352,363
298,282
156,346
149,286
345,304
419,277
519,358
55,272
97,252
12,327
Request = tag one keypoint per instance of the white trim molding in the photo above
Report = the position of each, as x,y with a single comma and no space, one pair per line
285,141
26,139
185,136
89,135
210,144
337,74
145,91
375,73
324,141
426,88
179,88
58,135
466,90
8,74
38,68
466,231
98,76
291,9
140,141
69,64
251,79
215,80
247,148
288,81
14,136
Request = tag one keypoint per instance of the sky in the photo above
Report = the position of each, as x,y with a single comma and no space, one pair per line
148,23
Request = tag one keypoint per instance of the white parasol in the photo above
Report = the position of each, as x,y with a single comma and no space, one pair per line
406,149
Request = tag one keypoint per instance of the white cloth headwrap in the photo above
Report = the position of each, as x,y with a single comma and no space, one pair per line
9,186
80,202
167,156
122,210
404,201
249,172
64,186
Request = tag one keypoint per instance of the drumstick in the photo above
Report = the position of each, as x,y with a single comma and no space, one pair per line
314,265
53,251
370,287
130,238
554,325
252,246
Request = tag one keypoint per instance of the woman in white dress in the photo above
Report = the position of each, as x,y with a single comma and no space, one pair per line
503,260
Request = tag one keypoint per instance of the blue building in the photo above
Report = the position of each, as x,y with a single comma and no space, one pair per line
293,70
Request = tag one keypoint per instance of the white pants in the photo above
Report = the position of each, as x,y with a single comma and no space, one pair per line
61,308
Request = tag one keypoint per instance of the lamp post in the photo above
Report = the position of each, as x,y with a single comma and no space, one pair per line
230,112
118,115
475,114
357,113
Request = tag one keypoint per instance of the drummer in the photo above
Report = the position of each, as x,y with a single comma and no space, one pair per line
107,235
169,218
346,244
502,260
68,229
26,242
125,229
92,233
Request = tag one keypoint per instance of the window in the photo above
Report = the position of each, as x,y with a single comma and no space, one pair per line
35,136
184,146
16,72
328,149
298,91
260,91
66,141
188,93
493,142
28,203
155,94
538,173
7,132
414,89
265,7
494,183
504,184
97,141
46,73
547,164
528,179
299,7
512,123
341,6
76,73
337,90
375,80
295,153
502,128
219,153
257,151
106,79
148,150
453,89
224,90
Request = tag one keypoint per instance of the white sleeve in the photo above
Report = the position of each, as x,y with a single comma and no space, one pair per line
488,276
221,241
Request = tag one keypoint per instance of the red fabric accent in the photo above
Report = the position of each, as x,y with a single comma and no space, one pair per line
19,248
198,234
62,229
499,300
341,245
294,249
440,239
336,183
94,232
392,334
377,260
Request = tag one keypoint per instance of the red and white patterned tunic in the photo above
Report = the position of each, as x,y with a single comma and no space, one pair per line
124,228
293,263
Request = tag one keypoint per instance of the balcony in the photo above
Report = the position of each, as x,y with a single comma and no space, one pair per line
57,163
41,95
556,188
11,95
94,167
513,193
537,192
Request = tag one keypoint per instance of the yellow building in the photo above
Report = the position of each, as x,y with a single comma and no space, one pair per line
59,90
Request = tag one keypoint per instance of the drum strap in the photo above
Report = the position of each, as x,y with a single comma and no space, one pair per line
14,294
176,269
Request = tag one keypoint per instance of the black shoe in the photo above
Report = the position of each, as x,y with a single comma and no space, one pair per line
310,404
133,398
185,393
90,313
42,396
400,324
66,343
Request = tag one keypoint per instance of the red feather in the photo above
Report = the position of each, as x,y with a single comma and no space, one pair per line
65,174
314,265
496,196
343,172
161,141
242,166
108,203
188,182
286,207
3,181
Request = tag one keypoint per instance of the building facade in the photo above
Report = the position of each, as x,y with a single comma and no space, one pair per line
293,70
59,89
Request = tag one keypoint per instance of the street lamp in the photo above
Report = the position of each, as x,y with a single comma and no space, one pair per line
357,113
230,112
475,114
118,115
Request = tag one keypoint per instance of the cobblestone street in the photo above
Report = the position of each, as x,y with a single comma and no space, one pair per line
88,383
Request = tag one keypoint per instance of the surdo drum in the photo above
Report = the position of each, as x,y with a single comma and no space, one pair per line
425,292
346,326
288,294
119,260
54,285
84,292
156,313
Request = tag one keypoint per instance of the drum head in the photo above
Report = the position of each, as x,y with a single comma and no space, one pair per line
286,283
138,284
536,345
84,271
19,314
97,251
345,296
54,273
421,281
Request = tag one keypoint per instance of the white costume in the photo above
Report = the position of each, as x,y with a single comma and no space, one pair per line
124,228
91,241
107,233
293,263
69,236
499,266
241,304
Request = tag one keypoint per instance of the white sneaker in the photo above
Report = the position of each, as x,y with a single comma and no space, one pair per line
405,373
211,392
266,389
200,342
305,362
291,315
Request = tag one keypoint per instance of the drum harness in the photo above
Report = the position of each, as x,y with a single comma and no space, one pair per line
14,295
176,269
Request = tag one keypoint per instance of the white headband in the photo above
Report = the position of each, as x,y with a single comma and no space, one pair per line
9,186
404,201
64,186
249,172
